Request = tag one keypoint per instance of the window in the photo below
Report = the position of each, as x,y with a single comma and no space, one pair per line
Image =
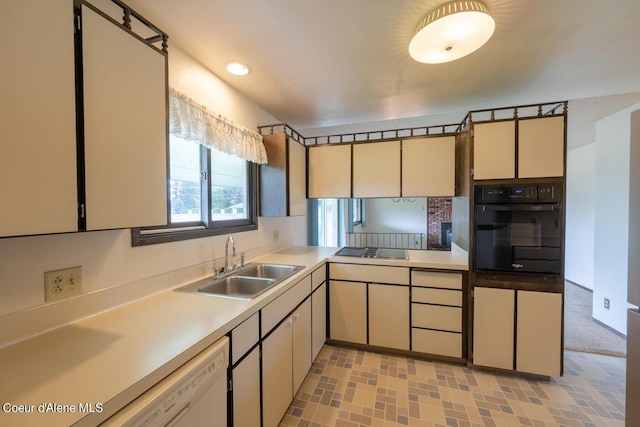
212,175
356,211
210,193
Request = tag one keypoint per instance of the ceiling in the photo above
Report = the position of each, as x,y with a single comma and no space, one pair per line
322,63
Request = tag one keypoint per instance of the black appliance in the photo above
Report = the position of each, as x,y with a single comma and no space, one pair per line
519,228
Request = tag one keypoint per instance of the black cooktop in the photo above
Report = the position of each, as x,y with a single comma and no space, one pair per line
380,253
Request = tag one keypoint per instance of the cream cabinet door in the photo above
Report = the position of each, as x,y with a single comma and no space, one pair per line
277,373
539,333
493,327
329,171
38,179
389,316
319,319
246,390
125,127
494,150
376,169
297,179
541,147
429,167
348,311
301,344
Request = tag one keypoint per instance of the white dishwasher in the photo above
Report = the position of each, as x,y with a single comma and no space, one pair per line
193,395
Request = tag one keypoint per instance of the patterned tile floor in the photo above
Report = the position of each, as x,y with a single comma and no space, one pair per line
352,388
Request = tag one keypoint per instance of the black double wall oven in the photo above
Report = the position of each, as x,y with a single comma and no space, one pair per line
519,228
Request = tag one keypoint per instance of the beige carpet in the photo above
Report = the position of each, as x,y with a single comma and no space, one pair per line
581,332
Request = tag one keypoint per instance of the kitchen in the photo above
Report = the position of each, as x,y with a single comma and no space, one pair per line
113,271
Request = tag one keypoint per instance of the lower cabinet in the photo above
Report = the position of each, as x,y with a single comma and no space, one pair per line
246,390
318,319
389,316
348,311
286,359
302,357
518,330
245,373
539,333
369,304
493,327
437,313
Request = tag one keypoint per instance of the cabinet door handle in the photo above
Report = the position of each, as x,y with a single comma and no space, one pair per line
295,316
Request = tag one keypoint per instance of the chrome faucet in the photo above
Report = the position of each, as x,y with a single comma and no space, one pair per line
227,267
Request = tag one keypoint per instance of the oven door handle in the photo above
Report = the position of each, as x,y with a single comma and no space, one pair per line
520,207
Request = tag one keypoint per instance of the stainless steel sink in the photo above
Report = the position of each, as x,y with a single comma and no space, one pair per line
270,271
245,283
238,287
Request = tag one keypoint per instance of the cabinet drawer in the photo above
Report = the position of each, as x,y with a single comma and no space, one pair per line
435,279
369,273
244,336
436,296
277,309
436,342
436,317
318,276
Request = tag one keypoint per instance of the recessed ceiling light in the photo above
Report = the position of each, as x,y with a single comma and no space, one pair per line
451,31
238,68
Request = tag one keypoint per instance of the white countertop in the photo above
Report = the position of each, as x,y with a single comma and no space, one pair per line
112,357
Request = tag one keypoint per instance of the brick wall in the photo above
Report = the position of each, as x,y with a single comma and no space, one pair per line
438,211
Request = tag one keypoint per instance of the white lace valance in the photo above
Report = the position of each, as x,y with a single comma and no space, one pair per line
192,121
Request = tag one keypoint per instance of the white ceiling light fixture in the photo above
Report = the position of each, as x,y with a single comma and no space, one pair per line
451,31
237,68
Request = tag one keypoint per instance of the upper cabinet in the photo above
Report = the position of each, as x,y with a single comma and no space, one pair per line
329,171
38,149
125,126
283,181
429,167
539,143
415,167
494,150
84,116
541,147
376,169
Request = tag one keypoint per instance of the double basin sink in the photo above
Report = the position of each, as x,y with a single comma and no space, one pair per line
245,283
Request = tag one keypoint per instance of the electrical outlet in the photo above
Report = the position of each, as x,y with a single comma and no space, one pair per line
606,303
276,235
60,284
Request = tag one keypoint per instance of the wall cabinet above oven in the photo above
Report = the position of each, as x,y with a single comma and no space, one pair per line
523,148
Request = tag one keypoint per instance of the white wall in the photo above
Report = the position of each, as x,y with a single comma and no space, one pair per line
106,257
580,215
612,219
